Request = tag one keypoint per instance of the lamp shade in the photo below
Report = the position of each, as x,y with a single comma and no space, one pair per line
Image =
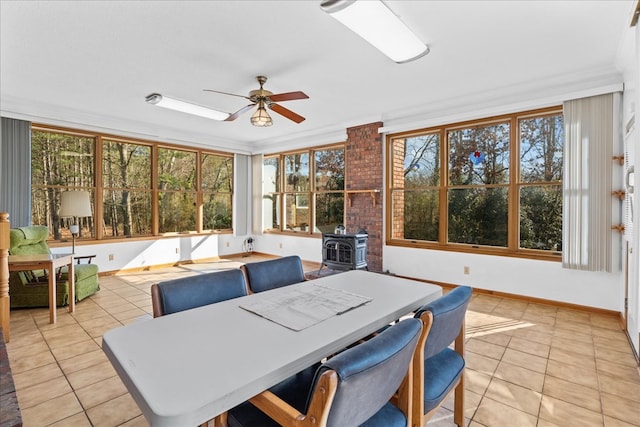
261,118
75,204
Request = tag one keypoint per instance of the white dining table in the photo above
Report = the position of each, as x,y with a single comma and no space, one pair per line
188,367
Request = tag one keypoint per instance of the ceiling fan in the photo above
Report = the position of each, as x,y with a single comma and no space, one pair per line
264,98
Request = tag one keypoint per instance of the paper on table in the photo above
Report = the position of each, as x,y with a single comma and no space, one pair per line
304,306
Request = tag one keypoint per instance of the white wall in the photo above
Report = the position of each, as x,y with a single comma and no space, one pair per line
308,248
134,254
630,64
532,278
537,279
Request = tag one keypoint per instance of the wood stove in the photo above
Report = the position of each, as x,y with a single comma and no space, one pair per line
344,251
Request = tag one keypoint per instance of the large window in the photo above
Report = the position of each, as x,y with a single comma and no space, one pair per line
176,190
60,162
491,186
138,188
304,191
126,195
217,191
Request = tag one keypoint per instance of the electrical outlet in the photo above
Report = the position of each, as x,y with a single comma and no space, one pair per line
466,269
280,245
177,250
228,244
110,257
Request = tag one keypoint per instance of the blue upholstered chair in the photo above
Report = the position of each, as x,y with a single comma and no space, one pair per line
351,389
274,273
438,369
189,292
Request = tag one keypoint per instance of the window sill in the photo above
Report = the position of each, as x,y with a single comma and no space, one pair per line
88,242
480,250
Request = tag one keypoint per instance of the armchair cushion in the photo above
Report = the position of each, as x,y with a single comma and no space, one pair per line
274,273
25,291
29,240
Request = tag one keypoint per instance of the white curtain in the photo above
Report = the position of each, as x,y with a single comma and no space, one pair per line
241,190
256,205
591,131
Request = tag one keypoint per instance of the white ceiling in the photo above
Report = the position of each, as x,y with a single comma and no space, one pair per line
90,64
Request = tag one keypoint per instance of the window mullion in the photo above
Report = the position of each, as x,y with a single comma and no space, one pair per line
155,222
99,193
514,189
199,197
444,186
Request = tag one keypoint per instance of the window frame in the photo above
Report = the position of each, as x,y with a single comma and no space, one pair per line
311,193
514,185
98,188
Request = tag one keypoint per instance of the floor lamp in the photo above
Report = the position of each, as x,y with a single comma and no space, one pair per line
75,204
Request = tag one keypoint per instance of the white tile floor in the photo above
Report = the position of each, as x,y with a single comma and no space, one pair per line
527,364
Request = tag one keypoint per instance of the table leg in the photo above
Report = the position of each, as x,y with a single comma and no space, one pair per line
72,288
52,293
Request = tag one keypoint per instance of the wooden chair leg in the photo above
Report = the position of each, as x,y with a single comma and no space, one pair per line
458,405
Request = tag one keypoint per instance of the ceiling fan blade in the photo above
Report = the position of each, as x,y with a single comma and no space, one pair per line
289,96
225,93
286,113
237,114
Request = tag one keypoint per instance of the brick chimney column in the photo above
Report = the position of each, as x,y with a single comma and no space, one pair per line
364,171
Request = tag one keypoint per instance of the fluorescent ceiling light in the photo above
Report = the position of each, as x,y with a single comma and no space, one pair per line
377,24
185,107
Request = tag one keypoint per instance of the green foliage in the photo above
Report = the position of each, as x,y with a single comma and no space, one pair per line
63,161
329,167
477,192
421,215
541,218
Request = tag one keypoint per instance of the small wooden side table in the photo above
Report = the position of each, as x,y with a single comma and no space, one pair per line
50,263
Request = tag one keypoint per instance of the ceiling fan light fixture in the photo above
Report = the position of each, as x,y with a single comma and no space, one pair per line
261,118
377,24
185,107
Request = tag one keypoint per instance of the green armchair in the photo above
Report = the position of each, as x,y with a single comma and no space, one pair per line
30,288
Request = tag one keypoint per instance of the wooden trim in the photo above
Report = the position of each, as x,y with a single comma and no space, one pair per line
477,249
97,189
372,193
156,303
5,302
512,247
311,192
287,416
199,195
559,304
98,208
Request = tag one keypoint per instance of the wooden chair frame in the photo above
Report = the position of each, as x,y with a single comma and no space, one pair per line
320,406
155,301
419,418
